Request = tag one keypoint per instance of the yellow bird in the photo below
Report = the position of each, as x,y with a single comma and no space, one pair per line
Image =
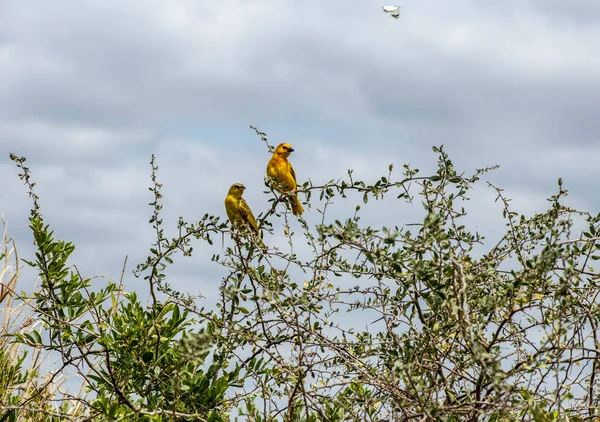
280,169
238,211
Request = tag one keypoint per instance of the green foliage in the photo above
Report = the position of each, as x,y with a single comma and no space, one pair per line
21,380
140,363
421,320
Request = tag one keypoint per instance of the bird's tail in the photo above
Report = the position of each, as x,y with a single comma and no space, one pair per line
262,244
296,206
258,240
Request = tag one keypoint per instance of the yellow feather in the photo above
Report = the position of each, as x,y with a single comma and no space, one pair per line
237,208
280,169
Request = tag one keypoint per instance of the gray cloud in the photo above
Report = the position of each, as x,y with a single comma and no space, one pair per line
89,91
568,14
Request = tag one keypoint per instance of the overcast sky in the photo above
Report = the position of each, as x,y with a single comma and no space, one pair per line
90,89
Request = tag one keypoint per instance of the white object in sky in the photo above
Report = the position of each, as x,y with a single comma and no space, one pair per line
394,11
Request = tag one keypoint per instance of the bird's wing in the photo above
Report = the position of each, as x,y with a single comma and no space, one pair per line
247,215
293,173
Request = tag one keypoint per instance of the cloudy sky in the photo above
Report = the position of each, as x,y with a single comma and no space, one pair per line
90,89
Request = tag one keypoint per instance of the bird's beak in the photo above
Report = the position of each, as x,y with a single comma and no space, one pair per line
243,187
291,150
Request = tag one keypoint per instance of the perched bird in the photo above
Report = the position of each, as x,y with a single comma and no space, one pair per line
280,169
238,211
394,11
